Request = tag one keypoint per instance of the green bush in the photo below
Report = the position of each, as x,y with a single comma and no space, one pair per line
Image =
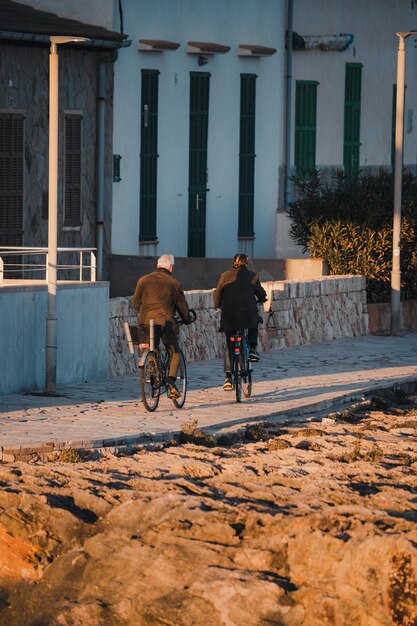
348,223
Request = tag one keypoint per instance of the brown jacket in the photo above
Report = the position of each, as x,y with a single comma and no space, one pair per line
158,296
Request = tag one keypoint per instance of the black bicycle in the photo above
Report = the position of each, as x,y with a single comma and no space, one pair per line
154,367
241,366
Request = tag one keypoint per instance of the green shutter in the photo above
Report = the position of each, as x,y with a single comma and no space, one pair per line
197,173
305,126
148,155
351,137
247,155
72,181
11,188
11,179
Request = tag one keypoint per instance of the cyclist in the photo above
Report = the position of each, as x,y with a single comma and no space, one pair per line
237,294
158,296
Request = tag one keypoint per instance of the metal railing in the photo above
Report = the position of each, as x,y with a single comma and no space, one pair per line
26,263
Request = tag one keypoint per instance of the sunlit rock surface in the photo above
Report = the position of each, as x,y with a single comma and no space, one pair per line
299,525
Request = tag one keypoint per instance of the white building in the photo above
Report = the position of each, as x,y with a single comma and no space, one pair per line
216,158
200,174
345,98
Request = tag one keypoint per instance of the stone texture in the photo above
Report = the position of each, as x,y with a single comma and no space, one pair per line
313,524
380,316
295,314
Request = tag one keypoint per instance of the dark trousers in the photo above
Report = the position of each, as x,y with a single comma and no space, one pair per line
170,341
228,353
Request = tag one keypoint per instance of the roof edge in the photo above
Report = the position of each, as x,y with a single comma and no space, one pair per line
37,38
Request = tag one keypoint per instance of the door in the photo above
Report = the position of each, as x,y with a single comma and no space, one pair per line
197,176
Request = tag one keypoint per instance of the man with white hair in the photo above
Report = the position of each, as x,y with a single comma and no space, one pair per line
158,296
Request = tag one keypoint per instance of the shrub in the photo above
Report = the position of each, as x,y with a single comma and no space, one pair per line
348,223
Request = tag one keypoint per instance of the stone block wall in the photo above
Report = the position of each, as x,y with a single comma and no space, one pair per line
313,311
380,316
295,314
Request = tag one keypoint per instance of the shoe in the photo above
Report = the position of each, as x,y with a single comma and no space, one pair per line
253,355
227,385
173,391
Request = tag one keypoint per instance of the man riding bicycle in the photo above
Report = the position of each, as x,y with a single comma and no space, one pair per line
237,294
158,296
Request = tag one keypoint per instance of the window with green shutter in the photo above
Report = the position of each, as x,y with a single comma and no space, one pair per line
351,137
197,168
247,155
148,155
305,126
11,179
72,178
11,188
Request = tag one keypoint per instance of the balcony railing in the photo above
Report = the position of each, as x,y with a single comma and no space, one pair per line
20,263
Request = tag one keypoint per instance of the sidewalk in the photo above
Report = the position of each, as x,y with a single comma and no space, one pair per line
287,384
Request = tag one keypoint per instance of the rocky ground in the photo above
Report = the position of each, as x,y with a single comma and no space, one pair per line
293,524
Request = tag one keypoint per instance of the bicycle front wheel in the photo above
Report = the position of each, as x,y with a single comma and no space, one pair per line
181,382
237,378
150,383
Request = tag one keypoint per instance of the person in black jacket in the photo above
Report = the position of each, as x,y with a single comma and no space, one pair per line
237,294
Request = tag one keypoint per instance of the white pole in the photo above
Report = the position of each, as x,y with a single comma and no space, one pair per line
398,167
152,335
51,339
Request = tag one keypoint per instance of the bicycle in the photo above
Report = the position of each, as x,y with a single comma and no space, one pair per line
154,367
241,365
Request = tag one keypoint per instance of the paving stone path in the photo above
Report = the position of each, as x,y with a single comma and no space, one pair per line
287,384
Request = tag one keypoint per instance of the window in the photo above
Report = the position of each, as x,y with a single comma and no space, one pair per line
305,126
11,179
197,166
72,181
148,155
351,143
247,155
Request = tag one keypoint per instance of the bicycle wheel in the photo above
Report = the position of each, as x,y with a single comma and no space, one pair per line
246,377
181,382
150,384
237,378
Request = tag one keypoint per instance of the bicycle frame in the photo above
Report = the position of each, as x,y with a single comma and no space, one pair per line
241,366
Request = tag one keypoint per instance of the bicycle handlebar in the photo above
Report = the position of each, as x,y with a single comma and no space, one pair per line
191,319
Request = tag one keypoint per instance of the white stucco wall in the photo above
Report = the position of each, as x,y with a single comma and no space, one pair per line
82,335
228,23
374,26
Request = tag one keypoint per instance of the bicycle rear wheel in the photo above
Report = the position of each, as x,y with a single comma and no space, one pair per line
150,384
246,376
237,378
181,382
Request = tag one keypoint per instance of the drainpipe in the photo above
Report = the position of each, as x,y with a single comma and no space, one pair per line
101,106
288,105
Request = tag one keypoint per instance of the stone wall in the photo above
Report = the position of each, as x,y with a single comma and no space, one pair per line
296,314
380,316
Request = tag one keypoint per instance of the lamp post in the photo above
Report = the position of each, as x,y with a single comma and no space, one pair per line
398,167
51,319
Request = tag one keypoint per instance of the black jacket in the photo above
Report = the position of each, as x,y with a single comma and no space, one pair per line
237,293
